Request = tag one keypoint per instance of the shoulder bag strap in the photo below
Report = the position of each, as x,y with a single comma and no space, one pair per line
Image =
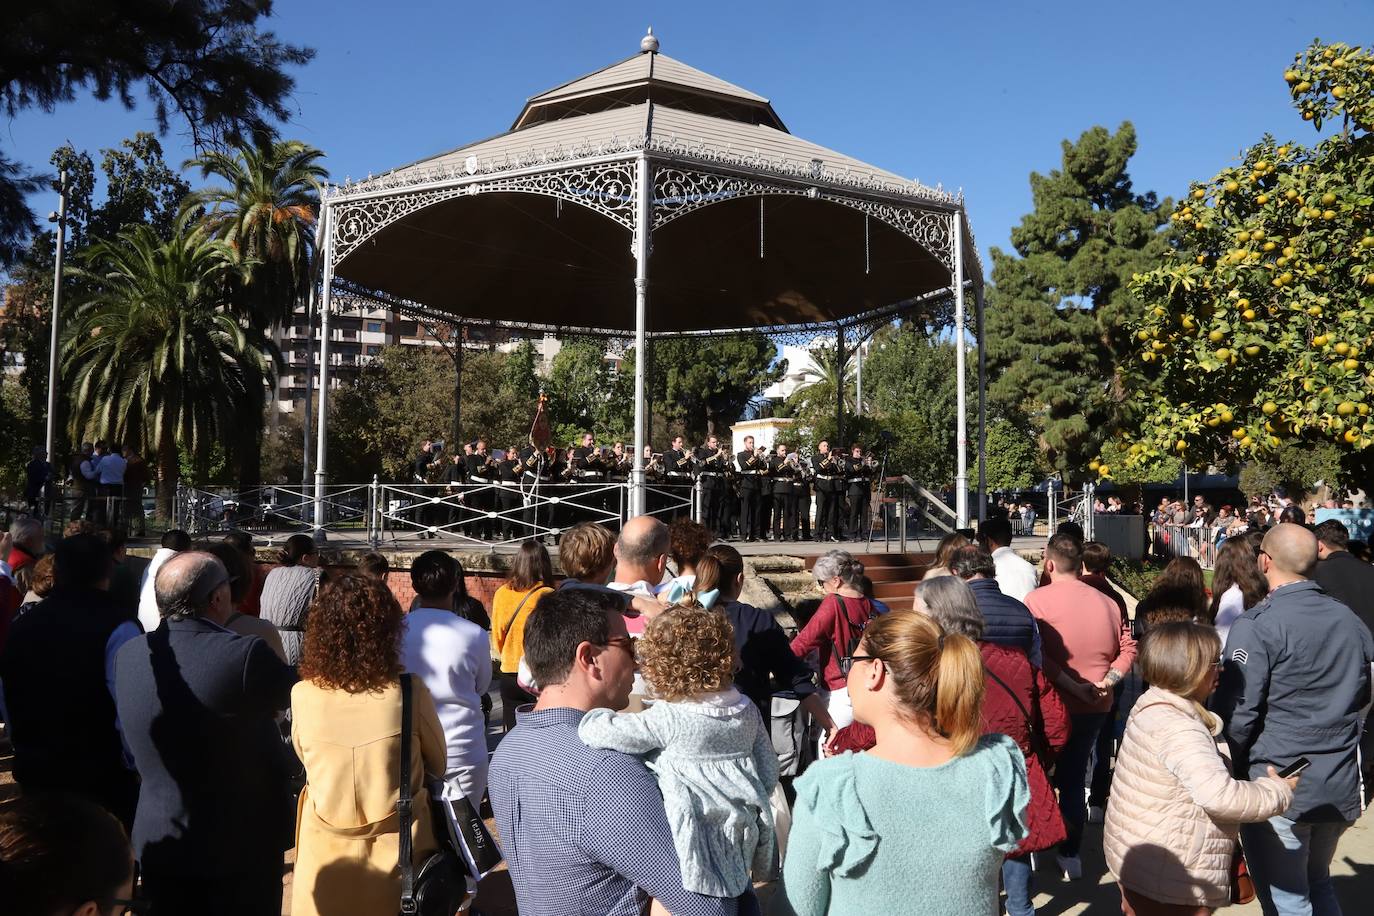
1030,723
505,631
403,805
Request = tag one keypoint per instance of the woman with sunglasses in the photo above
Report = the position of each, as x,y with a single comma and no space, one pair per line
922,821
835,629
1175,810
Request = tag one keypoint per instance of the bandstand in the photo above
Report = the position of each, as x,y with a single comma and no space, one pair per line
650,200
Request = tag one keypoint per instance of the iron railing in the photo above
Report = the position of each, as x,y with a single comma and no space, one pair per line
1199,542
464,515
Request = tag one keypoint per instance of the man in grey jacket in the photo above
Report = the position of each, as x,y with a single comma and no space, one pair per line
1296,679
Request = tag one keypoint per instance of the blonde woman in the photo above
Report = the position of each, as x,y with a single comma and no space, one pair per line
855,846
1174,811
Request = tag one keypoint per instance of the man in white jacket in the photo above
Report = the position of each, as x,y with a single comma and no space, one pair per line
173,542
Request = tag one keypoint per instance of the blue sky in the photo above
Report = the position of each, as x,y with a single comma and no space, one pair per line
974,95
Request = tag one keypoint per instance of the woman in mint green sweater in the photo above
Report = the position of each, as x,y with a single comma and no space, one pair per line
920,823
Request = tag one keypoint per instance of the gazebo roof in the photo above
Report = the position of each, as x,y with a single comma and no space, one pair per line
654,124
644,76
778,231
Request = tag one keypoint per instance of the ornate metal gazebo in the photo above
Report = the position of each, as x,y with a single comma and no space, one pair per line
645,200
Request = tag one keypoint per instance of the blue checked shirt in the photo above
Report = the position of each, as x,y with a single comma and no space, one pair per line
583,830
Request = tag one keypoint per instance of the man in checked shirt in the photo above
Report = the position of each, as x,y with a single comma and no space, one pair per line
582,829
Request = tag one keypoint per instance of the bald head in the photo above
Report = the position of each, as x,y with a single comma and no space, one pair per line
641,550
1291,551
193,584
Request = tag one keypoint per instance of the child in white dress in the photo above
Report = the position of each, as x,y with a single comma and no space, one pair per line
707,745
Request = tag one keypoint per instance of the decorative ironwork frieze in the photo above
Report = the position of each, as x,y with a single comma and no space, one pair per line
607,188
812,170
678,191
419,176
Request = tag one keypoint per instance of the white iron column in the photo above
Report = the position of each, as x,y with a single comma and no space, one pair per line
310,303
644,189
961,465
326,305
982,411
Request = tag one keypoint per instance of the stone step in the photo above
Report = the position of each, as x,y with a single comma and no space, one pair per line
895,573
885,560
886,590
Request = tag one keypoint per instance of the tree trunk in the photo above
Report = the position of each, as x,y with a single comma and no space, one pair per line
167,470
250,460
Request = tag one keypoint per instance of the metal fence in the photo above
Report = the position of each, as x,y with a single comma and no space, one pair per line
1200,543
464,515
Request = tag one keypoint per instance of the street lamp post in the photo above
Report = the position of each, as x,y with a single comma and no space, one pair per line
60,217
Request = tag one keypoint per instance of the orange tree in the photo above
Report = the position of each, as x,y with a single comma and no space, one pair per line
1257,329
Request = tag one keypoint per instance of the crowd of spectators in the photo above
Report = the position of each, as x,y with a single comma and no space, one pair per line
175,736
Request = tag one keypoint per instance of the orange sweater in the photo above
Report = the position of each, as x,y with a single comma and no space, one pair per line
508,634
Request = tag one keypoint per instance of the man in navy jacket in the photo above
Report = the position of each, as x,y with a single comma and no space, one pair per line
1008,621
197,703
1295,683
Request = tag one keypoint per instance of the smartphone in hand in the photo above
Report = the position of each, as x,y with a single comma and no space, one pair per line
1294,768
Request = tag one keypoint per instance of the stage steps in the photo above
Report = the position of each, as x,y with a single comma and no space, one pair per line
894,575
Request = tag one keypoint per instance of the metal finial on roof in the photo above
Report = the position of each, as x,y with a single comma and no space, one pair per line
649,44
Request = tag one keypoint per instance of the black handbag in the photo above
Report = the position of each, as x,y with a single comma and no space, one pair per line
440,885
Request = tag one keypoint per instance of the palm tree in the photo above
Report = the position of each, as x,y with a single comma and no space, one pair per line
266,210
153,357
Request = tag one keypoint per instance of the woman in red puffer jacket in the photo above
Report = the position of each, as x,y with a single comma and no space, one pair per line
1011,680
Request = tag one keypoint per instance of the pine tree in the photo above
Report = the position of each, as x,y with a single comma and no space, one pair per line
1055,319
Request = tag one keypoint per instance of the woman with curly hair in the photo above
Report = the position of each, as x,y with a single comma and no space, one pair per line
714,760
346,728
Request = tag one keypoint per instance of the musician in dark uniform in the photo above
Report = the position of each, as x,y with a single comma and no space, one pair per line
677,464
508,471
859,481
713,461
752,466
482,498
562,516
422,465
829,484
653,482
782,468
729,503
531,463
455,474
587,472
618,467
801,495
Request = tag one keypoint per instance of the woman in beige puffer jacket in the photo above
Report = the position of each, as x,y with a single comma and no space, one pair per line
1172,818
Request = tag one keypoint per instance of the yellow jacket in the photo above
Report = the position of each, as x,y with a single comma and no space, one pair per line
508,635
347,842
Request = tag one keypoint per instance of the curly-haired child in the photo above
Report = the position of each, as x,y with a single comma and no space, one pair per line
708,747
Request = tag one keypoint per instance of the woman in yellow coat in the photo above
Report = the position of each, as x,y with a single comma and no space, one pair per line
346,727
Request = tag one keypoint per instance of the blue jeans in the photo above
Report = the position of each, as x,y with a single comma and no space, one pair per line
1018,881
1071,776
1291,865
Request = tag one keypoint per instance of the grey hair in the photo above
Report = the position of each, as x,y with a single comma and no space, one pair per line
949,602
180,586
24,530
839,563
